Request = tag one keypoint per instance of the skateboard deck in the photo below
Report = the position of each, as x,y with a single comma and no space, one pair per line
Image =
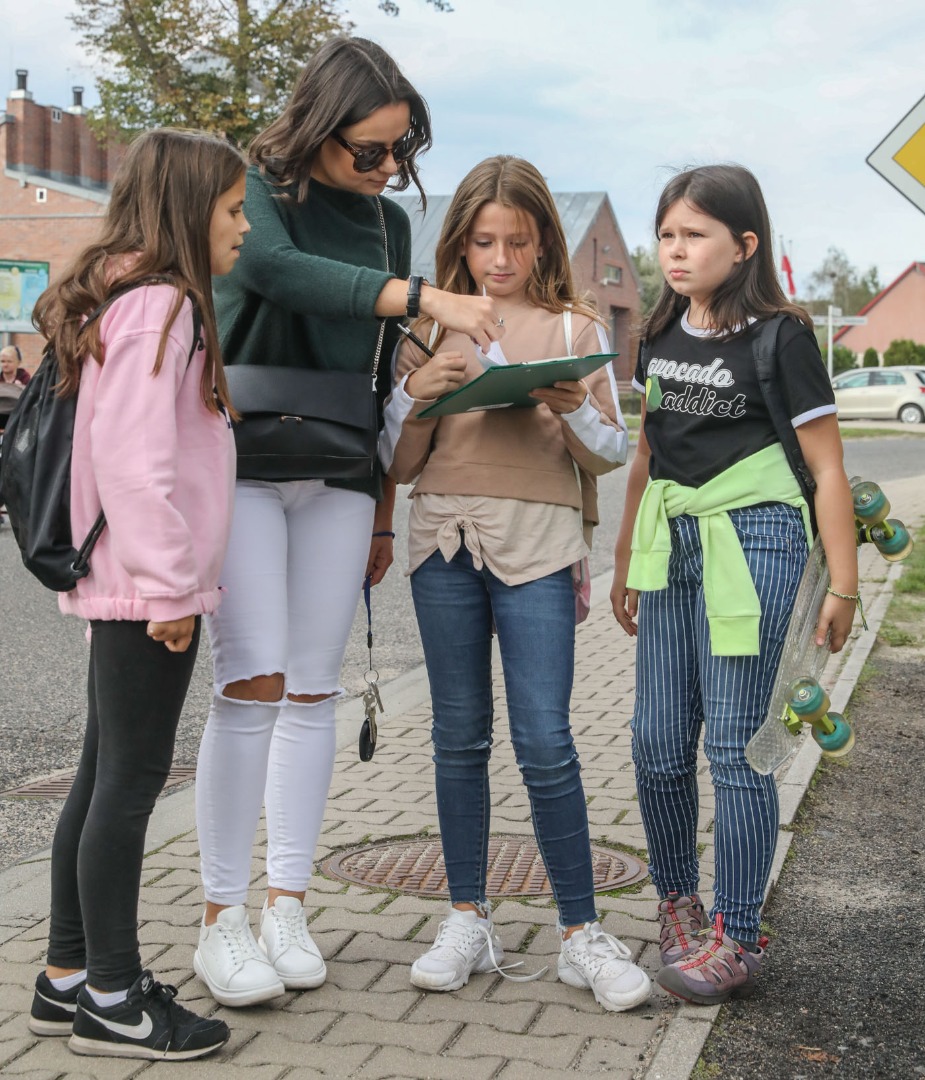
796,695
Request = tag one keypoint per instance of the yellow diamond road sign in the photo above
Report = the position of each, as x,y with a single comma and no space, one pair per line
900,158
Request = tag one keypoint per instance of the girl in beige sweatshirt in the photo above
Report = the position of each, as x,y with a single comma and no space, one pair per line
503,504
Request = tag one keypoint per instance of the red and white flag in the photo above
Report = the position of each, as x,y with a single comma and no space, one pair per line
787,271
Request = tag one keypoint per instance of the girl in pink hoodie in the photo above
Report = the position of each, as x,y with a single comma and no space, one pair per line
153,449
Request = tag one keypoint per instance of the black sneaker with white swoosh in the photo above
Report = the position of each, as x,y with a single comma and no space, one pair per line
148,1024
52,1010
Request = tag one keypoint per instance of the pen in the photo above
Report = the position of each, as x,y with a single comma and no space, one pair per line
414,339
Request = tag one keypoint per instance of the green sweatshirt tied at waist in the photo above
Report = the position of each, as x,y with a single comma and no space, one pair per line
733,610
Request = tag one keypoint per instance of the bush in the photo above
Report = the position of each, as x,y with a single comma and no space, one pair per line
843,359
871,358
903,351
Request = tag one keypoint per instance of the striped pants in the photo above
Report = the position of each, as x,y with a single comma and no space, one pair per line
681,688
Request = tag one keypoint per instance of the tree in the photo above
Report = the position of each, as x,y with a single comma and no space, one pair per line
903,351
840,283
220,65
650,276
871,358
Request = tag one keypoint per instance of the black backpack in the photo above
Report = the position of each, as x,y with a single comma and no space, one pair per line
35,470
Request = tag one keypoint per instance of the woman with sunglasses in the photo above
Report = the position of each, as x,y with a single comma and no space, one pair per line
326,262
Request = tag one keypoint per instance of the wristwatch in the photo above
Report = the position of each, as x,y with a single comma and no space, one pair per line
414,296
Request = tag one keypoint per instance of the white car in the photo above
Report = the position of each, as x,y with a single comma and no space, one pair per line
889,393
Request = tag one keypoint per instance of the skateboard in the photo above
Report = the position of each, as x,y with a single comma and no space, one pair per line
797,698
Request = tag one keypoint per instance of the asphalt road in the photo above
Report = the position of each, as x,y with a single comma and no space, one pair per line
44,656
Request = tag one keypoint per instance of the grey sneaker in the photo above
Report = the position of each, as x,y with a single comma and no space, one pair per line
680,919
717,969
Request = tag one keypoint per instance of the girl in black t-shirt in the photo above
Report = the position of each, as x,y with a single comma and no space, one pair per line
709,555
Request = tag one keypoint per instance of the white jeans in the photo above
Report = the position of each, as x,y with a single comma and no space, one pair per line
293,576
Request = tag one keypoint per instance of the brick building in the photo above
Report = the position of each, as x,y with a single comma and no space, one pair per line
54,180
600,260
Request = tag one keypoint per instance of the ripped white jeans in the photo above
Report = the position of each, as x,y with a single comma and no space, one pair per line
293,576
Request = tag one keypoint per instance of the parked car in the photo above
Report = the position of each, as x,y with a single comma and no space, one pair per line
891,393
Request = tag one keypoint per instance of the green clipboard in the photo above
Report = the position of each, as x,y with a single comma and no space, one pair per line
508,386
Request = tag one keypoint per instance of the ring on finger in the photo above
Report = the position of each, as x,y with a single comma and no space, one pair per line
500,321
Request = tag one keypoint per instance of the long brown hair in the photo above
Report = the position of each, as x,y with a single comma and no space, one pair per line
156,226
517,185
731,195
344,82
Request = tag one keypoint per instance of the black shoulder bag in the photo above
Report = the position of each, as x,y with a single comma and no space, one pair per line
305,424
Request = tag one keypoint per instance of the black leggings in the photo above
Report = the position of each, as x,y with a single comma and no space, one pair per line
136,690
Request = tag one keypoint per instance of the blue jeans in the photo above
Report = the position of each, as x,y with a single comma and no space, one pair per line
455,604
681,687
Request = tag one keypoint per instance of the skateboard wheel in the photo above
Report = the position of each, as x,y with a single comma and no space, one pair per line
835,743
870,504
807,699
893,548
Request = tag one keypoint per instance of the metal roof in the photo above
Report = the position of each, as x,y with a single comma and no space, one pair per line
577,209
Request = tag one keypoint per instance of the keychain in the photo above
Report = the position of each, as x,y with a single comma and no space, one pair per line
372,700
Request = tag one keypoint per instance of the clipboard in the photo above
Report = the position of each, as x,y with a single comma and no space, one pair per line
508,386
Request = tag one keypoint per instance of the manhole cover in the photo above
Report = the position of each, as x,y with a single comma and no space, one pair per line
59,785
514,867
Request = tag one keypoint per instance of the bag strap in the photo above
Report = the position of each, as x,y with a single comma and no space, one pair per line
385,244
764,349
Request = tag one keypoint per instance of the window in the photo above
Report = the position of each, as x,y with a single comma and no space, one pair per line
41,195
613,275
852,381
56,116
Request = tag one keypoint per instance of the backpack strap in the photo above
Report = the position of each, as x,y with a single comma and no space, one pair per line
765,353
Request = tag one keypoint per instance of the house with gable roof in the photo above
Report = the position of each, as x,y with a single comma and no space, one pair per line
600,260
896,312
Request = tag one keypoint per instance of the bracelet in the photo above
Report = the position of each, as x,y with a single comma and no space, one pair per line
856,597
385,532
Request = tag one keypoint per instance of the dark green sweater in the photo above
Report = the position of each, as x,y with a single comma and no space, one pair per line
304,289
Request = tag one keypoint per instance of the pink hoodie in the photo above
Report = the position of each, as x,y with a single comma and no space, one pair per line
160,464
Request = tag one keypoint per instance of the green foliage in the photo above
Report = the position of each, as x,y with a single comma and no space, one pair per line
837,281
650,276
391,8
903,351
220,65
842,359
871,358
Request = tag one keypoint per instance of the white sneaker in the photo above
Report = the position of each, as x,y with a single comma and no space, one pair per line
230,964
465,944
591,959
285,939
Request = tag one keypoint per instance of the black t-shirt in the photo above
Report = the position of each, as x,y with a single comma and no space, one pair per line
704,406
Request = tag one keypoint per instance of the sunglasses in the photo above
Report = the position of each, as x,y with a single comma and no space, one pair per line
367,158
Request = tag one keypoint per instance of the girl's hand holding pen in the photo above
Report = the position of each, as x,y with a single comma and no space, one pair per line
442,373
475,316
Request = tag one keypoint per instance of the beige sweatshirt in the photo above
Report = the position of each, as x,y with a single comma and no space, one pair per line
524,454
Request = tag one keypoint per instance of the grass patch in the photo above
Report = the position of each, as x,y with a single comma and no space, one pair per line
872,433
912,581
895,636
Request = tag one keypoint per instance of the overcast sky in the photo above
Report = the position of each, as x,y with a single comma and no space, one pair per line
612,94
